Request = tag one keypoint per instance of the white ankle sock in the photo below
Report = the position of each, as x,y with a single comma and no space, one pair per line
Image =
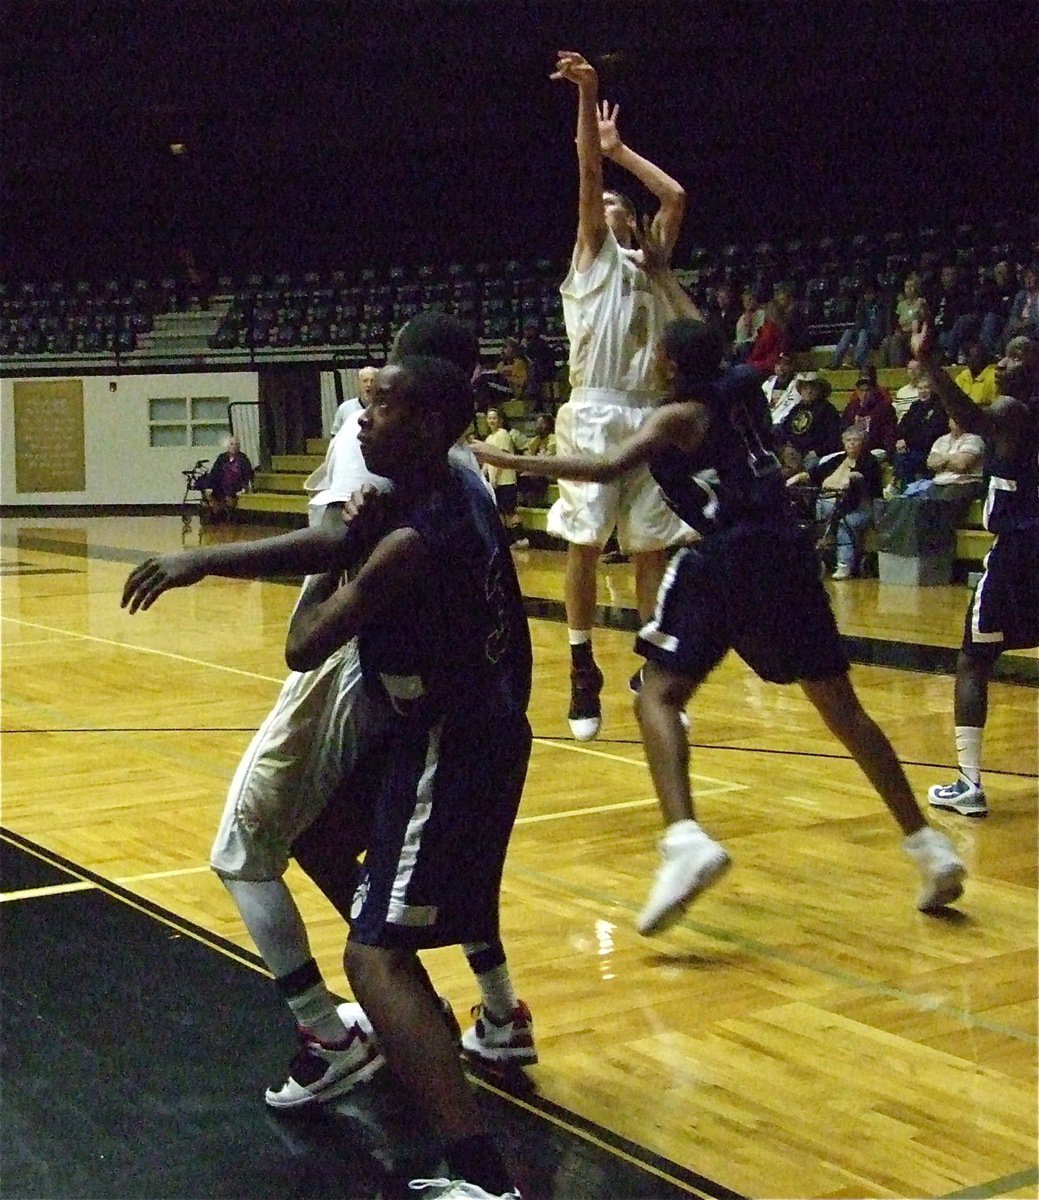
315,1012
496,991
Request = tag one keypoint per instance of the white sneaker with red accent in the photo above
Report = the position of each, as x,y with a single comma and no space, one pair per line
321,1073
508,1042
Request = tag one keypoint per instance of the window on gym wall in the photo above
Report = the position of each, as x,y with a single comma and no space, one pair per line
187,420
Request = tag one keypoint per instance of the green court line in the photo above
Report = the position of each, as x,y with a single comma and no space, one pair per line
996,1187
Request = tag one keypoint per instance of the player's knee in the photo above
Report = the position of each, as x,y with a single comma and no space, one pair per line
371,968
664,688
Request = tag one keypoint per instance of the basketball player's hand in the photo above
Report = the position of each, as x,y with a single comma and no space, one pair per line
609,138
651,243
147,582
576,68
367,513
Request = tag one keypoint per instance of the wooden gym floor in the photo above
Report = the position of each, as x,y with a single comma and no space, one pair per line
804,1032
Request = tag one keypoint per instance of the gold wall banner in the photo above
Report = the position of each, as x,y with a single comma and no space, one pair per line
49,448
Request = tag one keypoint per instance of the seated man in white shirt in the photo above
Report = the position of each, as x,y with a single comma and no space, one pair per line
781,390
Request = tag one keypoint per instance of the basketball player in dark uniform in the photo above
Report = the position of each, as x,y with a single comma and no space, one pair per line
752,585
445,651
1003,613
445,655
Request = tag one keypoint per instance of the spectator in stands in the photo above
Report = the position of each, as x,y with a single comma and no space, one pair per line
724,311
919,429
813,426
871,410
978,377
791,316
747,326
490,390
994,301
503,480
1024,312
956,464
534,488
952,311
771,342
908,308
866,331
366,378
850,481
541,365
909,391
230,474
781,389
512,367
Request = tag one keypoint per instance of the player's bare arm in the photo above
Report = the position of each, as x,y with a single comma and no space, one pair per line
669,192
302,552
680,426
393,572
340,541
591,219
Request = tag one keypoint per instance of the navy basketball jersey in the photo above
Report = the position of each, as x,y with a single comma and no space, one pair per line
735,474
464,640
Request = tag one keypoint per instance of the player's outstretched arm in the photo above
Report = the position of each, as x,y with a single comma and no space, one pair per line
591,218
674,425
668,219
339,542
302,552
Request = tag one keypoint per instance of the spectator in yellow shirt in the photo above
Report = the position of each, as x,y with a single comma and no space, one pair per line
512,366
978,377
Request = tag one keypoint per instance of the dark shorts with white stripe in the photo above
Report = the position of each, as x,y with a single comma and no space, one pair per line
442,810
1003,613
755,589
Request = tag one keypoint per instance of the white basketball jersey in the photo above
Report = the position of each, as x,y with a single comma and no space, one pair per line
615,315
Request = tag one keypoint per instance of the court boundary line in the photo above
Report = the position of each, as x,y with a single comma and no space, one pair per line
579,1126
996,1187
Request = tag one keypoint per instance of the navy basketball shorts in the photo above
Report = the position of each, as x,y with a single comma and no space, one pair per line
754,589
442,813
1003,613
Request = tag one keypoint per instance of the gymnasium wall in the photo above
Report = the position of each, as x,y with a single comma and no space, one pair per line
106,456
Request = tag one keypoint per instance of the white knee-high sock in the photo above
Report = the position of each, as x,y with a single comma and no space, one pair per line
968,752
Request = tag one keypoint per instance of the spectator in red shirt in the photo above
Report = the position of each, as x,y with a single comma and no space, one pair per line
871,410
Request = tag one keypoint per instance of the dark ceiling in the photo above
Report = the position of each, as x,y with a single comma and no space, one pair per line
319,132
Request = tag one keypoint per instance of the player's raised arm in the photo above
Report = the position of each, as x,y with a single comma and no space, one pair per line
591,218
968,415
668,219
